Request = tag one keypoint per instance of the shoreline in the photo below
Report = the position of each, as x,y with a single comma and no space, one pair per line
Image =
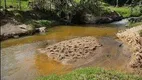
132,38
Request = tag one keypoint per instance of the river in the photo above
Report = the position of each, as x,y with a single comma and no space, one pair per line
21,61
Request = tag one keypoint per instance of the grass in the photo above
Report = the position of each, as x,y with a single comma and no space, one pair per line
77,1
126,11
92,74
14,3
135,24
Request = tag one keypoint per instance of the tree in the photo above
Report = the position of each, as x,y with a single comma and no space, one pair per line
19,1
5,5
135,3
117,2
0,3
65,9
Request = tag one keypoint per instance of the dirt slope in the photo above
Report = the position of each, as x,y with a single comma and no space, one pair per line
132,38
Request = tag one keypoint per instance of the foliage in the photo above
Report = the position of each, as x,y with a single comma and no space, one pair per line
67,8
13,4
134,24
92,74
121,2
126,11
18,17
41,23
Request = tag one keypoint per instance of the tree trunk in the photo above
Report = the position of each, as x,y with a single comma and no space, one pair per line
117,3
132,7
50,4
12,2
20,4
0,3
126,2
5,8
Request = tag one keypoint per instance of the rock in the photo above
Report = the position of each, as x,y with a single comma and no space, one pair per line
16,36
41,29
10,30
70,51
135,19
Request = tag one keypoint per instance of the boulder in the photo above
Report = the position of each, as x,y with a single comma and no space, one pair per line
14,31
41,29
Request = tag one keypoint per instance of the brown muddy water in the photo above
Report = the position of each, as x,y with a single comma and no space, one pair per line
20,60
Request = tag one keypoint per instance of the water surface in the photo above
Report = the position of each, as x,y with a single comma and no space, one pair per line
21,61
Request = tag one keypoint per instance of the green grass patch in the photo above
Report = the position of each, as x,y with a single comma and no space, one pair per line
92,74
77,1
126,11
14,3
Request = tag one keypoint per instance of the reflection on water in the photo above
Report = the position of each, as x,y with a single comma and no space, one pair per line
46,66
64,32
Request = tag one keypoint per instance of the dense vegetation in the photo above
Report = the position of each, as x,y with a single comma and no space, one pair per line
69,7
48,12
122,2
92,74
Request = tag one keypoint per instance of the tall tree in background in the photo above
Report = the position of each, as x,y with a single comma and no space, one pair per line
19,1
5,5
0,2
117,2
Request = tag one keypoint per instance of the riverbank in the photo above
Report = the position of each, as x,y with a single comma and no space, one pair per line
23,23
132,38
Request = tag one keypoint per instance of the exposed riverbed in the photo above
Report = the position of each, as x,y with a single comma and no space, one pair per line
20,60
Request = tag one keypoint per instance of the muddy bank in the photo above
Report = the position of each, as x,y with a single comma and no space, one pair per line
90,51
71,51
132,38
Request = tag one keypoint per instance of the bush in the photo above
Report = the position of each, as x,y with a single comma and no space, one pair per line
41,23
126,11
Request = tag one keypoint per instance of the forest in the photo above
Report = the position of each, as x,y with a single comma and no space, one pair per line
75,11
